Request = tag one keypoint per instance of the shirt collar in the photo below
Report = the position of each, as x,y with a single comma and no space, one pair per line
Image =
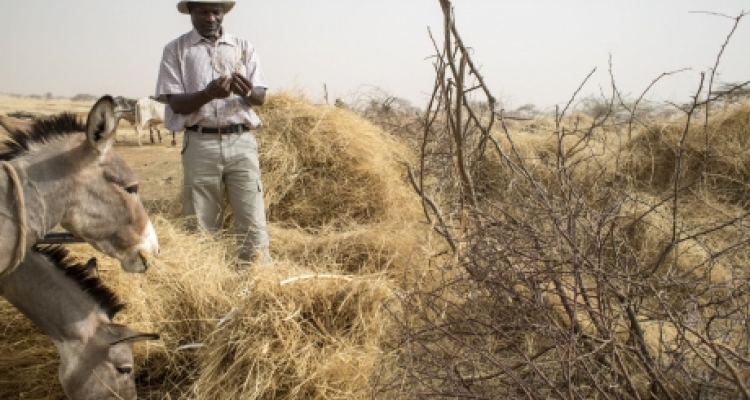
196,38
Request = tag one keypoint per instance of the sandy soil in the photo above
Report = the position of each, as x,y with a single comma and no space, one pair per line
157,165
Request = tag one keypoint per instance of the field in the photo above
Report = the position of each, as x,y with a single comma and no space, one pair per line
585,257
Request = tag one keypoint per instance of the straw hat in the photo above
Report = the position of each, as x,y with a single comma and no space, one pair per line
183,8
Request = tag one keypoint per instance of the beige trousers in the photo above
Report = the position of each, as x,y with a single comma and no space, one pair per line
210,161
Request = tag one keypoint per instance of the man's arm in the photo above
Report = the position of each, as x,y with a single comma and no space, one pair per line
188,103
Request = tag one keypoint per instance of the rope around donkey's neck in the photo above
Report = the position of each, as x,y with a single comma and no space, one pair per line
20,252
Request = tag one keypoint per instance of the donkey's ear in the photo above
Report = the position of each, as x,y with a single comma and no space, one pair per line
100,125
113,334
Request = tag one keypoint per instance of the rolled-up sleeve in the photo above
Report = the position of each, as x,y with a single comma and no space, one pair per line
254,69
169,82
170,78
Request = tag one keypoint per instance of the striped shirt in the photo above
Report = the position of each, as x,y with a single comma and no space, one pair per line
191,62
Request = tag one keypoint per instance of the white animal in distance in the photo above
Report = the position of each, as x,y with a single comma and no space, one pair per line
150,113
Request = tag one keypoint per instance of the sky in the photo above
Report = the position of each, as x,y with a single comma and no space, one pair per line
534,51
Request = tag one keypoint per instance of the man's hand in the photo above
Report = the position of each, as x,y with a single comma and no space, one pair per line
241,86
220,88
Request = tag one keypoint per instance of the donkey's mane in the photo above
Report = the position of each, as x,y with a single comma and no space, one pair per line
45,129
89,283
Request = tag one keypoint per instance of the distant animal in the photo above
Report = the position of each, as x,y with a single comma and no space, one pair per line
150,113
69,303
15,124
64,172
124,103
125,109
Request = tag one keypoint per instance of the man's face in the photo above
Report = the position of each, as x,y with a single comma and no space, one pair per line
207,18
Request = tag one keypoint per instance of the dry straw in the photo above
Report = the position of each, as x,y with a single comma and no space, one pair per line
343,224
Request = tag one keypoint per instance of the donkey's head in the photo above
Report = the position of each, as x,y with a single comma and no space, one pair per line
69,303
103,367
74,178
99,366
105,209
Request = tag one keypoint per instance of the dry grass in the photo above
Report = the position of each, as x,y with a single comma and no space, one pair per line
347,235
45,107
343,223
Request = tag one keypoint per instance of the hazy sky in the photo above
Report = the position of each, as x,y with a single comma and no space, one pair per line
535,51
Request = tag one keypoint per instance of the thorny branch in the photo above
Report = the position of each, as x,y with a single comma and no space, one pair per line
568,279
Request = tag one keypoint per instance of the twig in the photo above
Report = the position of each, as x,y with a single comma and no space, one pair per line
315,276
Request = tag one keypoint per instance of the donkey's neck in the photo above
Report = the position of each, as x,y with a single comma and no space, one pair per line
53,301
46,175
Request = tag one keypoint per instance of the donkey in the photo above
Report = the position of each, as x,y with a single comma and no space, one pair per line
64,172
68,302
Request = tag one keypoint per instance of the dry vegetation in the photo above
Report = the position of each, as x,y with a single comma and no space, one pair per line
600,257
344,224
572,256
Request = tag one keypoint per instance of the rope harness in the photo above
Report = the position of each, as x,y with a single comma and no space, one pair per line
20,252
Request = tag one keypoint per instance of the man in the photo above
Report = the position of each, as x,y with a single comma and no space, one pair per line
211,81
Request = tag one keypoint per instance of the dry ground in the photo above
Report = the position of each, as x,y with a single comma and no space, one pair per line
157,165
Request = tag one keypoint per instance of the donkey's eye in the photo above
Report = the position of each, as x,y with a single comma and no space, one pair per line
132,189
124,369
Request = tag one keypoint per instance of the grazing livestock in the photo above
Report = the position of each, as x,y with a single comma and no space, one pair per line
125,109
64,172
69,303
124,103
150,113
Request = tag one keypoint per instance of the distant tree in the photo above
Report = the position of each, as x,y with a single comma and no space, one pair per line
481,107
527,111
83,97
619,108
733,92
393,114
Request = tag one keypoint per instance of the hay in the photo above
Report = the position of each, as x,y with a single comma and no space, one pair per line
714,154
343,223
28,360
327,166
279,332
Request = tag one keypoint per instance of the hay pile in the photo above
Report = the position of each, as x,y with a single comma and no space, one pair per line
343,224
719,146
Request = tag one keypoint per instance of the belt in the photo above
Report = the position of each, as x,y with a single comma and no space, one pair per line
238,128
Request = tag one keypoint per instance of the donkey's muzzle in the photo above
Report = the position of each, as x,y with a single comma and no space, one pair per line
137,259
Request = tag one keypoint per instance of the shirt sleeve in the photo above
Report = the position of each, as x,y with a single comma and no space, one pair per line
254,69
169,80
